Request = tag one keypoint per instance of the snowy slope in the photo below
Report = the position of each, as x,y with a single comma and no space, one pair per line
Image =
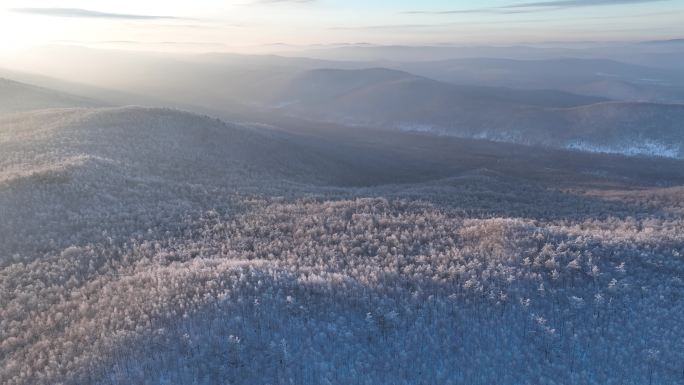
153,246
114,164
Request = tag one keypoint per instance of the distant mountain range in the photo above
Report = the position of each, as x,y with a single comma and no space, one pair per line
603,78
580,104
16,96
397,100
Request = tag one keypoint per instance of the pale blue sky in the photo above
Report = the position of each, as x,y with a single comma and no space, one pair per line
211,24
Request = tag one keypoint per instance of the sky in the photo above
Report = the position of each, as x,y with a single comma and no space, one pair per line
233,25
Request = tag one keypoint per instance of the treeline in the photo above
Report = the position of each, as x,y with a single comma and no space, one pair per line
353,291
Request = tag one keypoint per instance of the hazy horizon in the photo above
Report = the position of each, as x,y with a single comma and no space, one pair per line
261,25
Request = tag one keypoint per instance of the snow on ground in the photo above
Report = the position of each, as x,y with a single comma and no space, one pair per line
130,268
642,148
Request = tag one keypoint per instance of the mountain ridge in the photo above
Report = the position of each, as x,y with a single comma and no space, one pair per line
397,100
17,97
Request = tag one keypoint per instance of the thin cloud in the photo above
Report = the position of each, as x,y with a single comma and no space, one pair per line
537,6
90,14
136,42
421,26
254,3
389,26
264,2
501,10
577,3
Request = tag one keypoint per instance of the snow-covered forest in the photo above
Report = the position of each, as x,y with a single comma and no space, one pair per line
152,246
